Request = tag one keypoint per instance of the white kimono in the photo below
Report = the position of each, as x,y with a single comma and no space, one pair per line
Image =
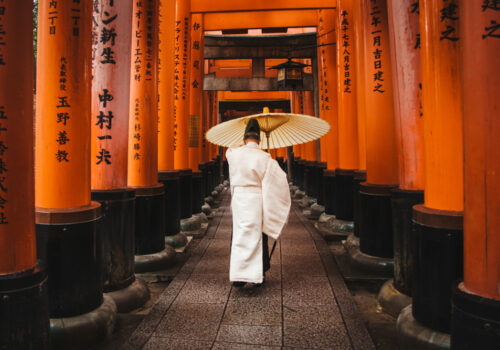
260,203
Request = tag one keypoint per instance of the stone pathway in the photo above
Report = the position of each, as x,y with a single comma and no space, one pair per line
304,303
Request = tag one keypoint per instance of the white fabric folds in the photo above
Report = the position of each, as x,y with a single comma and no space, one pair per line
260,203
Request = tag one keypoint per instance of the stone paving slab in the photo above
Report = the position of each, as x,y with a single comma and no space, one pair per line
303,304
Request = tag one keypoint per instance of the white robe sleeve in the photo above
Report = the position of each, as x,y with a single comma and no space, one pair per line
276,200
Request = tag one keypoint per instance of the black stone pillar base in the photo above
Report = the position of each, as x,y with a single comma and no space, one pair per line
332,229
377,266
149,220
392,300
191,226
300,174
438,256
403,238
197,195
156,261
89,328
359,177
344,200
375,235
176,241
186,193
131,297
69,244
329,191
320,182
118,238
475,321
171,183
315,211
24,310
412,335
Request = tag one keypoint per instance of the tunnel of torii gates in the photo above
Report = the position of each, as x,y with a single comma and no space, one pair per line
410,167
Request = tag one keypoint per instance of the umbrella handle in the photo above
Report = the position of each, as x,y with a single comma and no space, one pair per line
267,137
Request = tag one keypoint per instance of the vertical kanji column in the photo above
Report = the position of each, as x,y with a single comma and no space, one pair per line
150,250
476,302
24,316
66,219
310,149
359,71
405,49
438,222
327,27
167,175
376,244
182,58
347,112
110,98
196,68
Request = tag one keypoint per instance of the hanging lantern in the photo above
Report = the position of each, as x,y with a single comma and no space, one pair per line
290,75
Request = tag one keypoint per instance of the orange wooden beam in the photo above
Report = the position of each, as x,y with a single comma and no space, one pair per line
17,211
257,5
260,19
406,67
110,97
481,82
166,86
143,116
254,95
181,53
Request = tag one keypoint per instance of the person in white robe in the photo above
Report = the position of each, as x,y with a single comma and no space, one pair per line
260,205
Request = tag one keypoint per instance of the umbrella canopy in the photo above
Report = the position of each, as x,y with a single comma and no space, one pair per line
277,130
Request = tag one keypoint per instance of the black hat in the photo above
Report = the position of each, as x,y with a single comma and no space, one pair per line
252,130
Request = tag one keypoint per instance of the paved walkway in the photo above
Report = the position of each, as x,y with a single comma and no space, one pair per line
304,303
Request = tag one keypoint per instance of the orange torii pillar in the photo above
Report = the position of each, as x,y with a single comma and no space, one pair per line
110,98
150,250
167,175
376,244
24,316
182,83
205,110
66,218
476,302
347,112
328,103
437,231
405,48
196,68
360,77
313,171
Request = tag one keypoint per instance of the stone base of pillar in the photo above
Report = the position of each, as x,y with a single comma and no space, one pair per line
89,328
438,264
475,321
298,195
207,210
118,240
305,202
69,244
380,267
176,241
170,181
392,300
24,310
344,187
149,220
359,177
376,232
315,211
157,261
131,297
402,211
203,226
191,226
210,200
412,335
329,191
332,229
